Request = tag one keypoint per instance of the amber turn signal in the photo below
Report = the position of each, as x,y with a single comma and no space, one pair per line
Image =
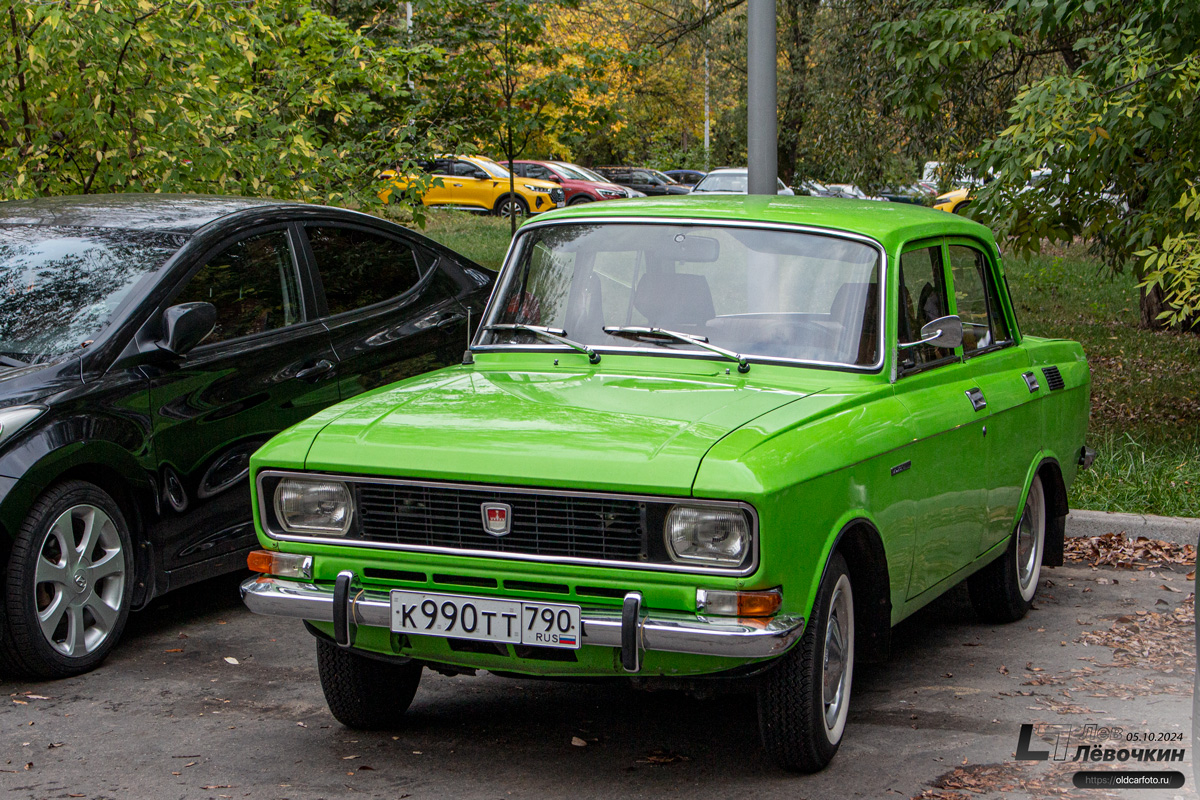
739,604
285,565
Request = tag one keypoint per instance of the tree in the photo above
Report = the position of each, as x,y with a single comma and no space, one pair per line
242,98
1111,126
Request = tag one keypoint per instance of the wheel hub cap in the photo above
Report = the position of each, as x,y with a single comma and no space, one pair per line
79,580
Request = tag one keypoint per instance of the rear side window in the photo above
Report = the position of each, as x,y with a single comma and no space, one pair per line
975,296
359,268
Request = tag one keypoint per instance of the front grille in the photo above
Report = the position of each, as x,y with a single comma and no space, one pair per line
1054,379
557,195
601,528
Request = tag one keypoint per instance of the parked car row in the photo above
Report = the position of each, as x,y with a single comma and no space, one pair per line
475,183
689,441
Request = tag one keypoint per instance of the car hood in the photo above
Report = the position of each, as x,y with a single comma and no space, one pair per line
591,429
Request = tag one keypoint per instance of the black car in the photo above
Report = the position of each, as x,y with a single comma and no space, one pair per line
647,181
148,345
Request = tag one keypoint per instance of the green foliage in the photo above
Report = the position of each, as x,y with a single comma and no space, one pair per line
272,99
1110,123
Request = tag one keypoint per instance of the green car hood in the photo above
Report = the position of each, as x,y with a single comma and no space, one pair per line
582,429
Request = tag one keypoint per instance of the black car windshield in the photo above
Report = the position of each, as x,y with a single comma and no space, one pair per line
766,293
60,286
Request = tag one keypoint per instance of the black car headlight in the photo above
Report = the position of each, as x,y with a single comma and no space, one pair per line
707,534
305,505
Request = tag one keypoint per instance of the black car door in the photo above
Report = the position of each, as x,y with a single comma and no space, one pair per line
267,364
390,304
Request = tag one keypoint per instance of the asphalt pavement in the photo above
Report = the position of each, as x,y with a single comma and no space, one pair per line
205,700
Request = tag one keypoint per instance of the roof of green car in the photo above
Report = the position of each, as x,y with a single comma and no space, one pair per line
888,223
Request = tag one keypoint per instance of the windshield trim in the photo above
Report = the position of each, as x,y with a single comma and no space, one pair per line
521,237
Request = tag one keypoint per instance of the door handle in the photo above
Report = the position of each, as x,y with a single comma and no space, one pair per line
317,369
450,318
456,185
977,399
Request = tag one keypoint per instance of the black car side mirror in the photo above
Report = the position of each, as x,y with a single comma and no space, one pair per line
479,175
185,326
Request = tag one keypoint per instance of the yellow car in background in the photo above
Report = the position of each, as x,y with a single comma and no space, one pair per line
473,183
954,201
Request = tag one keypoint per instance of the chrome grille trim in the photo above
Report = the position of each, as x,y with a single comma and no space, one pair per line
356,540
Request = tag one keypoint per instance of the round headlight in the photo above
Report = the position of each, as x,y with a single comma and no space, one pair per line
313,506
707,534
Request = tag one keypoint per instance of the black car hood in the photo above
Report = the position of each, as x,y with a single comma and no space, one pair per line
35,382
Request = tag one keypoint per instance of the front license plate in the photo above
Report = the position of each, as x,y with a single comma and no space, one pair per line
485,618
560,203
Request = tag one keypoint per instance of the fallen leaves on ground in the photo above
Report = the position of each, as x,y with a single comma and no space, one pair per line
1118,550
663,757
1151,640
1008,779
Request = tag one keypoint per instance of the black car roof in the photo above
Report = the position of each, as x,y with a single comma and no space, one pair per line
174,213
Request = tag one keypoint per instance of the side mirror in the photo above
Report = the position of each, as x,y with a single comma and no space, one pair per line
554,178
479,175
185,326
942,332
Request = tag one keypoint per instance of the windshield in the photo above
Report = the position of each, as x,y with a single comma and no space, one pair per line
590,175
491,168
573,172
728,182
773,294
664,177
59,286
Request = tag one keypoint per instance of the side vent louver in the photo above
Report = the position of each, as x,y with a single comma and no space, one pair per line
1054,380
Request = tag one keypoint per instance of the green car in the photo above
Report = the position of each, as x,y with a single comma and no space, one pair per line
698,440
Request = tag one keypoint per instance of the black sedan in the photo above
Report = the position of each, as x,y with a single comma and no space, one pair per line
148,345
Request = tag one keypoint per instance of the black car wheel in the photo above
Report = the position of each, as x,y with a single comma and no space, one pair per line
68,585
510,205
579,199
365,693
804,701
1003,591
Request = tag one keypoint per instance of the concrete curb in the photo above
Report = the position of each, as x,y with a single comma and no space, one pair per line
1180,530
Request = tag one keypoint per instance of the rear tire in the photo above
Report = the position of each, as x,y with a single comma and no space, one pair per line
804,701
1003,591
365,693
68,584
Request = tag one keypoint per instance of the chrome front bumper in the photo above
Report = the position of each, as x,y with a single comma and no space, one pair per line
628,628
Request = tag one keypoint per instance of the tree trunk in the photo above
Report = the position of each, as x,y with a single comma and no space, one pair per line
1151,306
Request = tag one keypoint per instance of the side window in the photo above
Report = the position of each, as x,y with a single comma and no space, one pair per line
922,300
462,169
360,268
442,167
253,285
537,172
983,324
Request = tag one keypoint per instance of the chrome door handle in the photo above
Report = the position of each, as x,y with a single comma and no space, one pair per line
319,368
977,399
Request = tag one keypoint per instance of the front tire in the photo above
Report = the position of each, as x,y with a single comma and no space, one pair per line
804,701
510,205
1003,591
365,693
579,200
68,585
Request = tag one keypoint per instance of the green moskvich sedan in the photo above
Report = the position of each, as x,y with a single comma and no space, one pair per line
696,439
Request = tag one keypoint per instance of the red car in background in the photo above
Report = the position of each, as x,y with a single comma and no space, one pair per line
580,184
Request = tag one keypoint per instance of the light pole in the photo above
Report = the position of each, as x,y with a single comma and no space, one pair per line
761,112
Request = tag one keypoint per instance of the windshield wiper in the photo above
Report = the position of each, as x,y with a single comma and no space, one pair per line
557,335
9,361
637,332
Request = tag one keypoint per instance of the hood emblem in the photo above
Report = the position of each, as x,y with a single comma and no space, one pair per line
497,518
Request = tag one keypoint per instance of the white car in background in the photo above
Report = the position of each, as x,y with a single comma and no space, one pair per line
730,180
